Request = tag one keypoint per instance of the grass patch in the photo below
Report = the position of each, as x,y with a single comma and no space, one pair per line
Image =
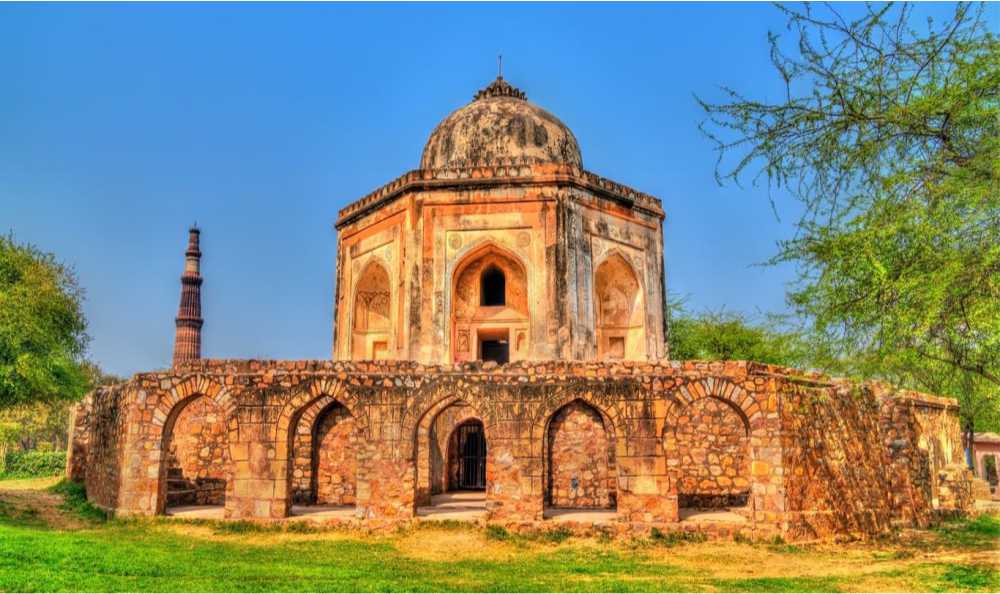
980,532
497,533
43,552
969,578
780,584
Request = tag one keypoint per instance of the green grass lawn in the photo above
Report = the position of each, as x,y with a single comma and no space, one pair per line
51,540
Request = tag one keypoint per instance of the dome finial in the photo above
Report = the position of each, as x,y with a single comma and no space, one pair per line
500,87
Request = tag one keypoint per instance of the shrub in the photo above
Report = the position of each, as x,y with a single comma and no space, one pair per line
557,535
34,464
675,537
494,532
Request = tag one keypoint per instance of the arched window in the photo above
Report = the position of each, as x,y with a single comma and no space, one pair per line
493,287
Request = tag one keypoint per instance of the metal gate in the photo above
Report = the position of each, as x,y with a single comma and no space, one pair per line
471,445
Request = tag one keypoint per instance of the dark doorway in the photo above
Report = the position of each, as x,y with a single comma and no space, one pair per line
493,287
468,457
495,350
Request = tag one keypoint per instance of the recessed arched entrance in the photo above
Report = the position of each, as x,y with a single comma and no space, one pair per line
489,307
451,463
467,457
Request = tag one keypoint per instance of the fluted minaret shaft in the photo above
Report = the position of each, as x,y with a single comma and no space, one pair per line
187,342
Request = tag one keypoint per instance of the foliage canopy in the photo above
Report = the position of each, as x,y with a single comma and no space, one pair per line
42,328
889,136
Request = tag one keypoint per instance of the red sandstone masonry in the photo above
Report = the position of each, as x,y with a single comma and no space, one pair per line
817,451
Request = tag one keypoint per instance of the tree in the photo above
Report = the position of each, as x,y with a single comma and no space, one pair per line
889,136
42,328
726,336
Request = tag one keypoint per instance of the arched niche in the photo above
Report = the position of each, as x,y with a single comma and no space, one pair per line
619,310
371,319
580,459
708,448
484,325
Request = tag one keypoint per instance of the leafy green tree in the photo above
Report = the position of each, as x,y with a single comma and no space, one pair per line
889,137
726,336
42,328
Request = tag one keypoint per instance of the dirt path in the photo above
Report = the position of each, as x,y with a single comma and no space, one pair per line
27,500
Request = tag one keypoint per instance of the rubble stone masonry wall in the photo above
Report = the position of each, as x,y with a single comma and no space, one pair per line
581,459
812,457
711,444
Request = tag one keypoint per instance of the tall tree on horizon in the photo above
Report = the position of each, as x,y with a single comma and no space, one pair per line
888,134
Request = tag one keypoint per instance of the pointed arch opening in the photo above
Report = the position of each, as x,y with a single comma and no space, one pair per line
323,462
371,327
619,310
581,472
708,448
451,451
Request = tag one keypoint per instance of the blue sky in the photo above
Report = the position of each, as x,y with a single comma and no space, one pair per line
121,124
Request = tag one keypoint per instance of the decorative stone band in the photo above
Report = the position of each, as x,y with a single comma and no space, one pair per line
505,171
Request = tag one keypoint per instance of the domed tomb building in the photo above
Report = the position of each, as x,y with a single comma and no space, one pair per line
499,356
500,247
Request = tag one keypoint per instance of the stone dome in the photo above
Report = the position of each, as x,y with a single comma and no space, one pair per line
500,126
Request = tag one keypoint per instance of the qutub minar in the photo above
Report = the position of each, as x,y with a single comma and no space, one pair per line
499,356
187,341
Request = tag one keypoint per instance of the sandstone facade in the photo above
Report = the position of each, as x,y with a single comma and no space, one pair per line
501,193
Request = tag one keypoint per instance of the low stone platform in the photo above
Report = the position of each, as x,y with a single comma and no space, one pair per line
463,506
197,512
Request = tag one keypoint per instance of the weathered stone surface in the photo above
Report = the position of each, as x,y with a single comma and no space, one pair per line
500,187
821,457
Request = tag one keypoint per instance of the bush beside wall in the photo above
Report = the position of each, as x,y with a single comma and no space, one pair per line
34,464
